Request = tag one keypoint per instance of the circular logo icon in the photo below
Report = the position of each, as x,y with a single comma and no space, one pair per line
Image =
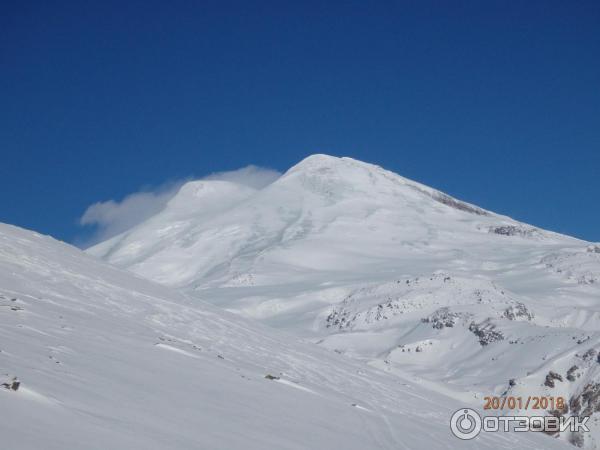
465,424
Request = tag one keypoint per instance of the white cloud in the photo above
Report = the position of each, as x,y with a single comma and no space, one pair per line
253,176
111,217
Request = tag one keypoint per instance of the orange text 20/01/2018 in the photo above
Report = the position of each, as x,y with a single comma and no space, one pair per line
530,402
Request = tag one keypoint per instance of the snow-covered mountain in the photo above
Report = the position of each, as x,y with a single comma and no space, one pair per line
390,272
326,218
108,360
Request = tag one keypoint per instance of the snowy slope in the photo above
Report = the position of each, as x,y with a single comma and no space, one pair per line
108,360
390,272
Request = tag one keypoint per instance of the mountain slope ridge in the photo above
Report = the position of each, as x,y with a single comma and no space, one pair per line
107,359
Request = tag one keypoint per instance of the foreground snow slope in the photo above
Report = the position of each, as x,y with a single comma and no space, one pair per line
384,269
108,360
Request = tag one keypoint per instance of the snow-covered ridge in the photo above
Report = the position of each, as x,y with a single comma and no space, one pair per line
94,357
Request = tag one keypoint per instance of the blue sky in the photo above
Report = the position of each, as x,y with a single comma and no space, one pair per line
497,103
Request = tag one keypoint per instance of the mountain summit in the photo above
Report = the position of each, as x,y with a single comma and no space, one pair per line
322,212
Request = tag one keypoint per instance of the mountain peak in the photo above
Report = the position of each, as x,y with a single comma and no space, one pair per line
321,161
325,206
339,177
320,158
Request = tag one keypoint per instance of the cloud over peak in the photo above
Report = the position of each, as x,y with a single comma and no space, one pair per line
112,217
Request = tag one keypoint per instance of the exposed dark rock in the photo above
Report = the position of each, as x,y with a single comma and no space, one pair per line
12,385
581,341
442,318
457,204
342,317
338,318
514,230
551,377
486,333
517,311
572,373
590,399
589,355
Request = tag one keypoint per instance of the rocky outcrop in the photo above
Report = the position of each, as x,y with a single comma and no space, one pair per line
518,311
551,378
486,332
442,318
514,230
572,373
12,385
